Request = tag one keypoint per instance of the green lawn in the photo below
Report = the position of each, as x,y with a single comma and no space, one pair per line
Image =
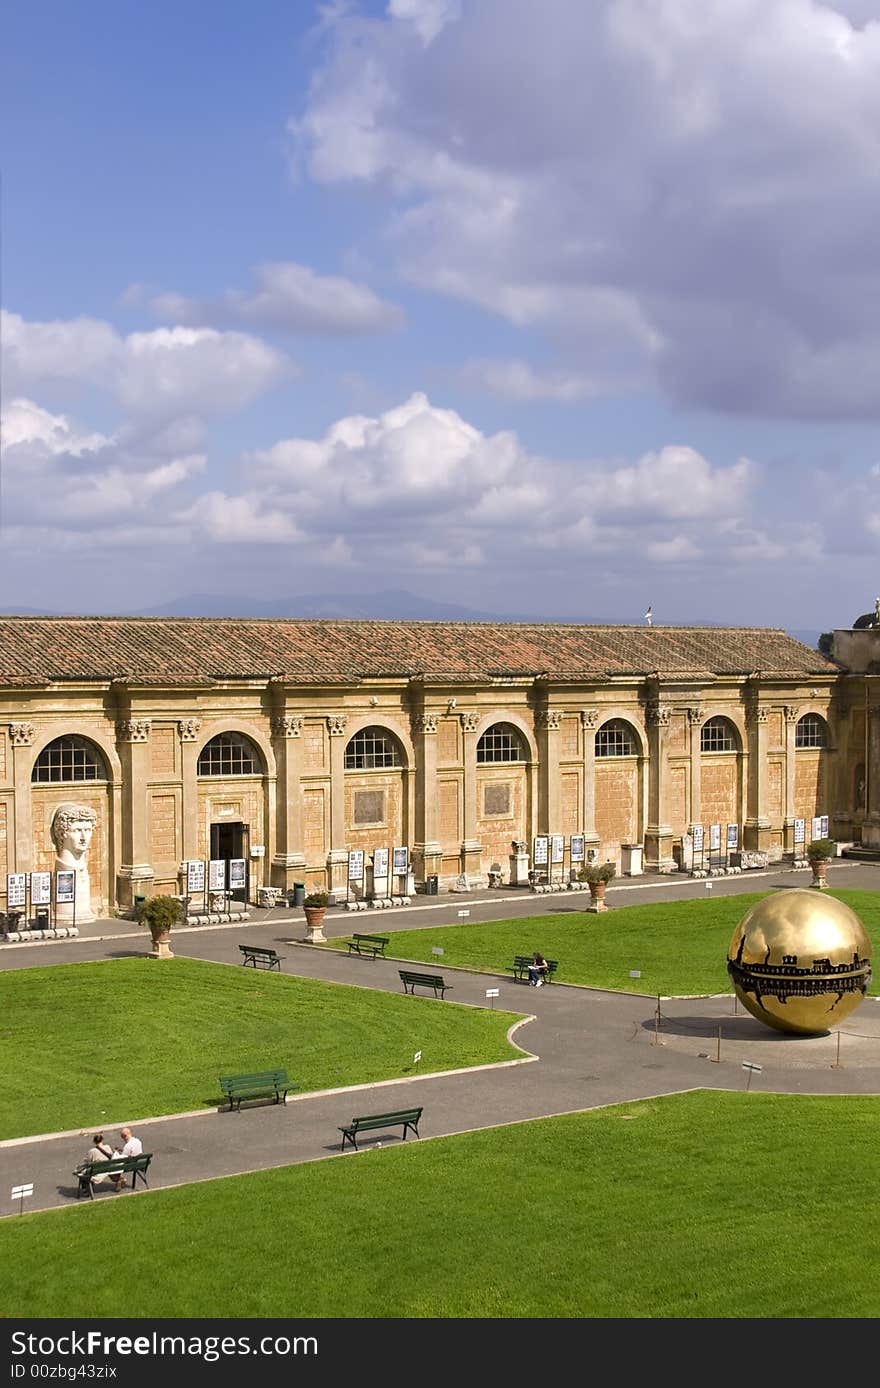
699,1205
679,946
105,1043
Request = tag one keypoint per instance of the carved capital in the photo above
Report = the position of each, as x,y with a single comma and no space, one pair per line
188,729
756,714
336,723
470,722
22,734
287,725
589,717
695,715
658,715
792,713
550,718
425,723
133,730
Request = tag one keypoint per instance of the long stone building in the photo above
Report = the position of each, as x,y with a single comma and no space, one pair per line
290,743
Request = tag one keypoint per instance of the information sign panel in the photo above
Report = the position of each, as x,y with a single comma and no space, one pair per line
355,865
41,889
577,848
217,875
557,848
697,833
800,830
400,862
816,827
237,874
714,837
732,835
541,854
65,887
16,889
195,875
380,862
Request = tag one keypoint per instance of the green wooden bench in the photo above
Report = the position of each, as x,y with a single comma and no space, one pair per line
409,981
407,1117
368,944
113,1166
265,1084
261,958
523,962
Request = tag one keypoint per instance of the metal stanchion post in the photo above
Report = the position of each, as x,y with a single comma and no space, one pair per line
835,1064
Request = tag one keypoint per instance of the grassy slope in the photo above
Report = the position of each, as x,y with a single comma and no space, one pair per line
99,1044
700,1205
679,946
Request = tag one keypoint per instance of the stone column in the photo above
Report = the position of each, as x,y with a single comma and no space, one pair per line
471,847
756,830
658,834
426,845
789,811
21,856
288,859
871,823
695,726
589,723
549,721
136,868
337,858
188,731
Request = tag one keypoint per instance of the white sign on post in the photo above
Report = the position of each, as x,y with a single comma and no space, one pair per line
464,913
697,834
816,827
195,875
714,837
355,865
258,850
217,875
493,992
541,854
557,848
800,830
732,835
41,889
823,827
16,889
237,874
380,862
436,949
578,848
400,862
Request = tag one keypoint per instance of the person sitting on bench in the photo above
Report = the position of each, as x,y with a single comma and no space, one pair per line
102,1151
537,967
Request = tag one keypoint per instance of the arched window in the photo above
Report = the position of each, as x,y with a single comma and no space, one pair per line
810,731
716,735
229,754
370,750
501,742
69,759
615,739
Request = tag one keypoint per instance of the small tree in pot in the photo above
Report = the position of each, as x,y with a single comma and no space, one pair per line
820,852
315,906
597,876
160,913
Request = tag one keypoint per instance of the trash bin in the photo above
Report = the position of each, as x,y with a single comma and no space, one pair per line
138,903
432,884
42,918
299,893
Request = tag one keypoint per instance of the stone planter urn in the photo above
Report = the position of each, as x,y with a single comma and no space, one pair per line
820,870
314,921
597,896
161,947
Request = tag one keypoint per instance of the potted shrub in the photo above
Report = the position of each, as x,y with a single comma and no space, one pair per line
597,876
315,905
159,914
820,852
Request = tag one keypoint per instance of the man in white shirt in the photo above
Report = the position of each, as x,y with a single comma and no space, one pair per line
133,1146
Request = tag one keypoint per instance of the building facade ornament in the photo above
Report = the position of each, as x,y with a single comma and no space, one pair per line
792,713
756,714
133,730
287,725
188,729
425,723
550,719
589,717
658,715
336,723
22,734
695,715
470,722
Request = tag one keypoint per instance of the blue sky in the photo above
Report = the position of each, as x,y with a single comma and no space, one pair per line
545,310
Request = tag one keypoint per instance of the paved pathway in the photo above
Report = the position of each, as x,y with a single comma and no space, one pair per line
582,1047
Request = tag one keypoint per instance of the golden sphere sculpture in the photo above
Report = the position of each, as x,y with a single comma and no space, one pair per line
800,961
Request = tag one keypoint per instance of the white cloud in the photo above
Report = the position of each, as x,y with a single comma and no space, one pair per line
676,482
169,371
517,380
24,422
292,298
237,520
698,199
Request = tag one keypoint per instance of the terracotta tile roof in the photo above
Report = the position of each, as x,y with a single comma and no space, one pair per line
189,650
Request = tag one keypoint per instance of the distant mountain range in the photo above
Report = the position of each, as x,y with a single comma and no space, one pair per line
392,604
